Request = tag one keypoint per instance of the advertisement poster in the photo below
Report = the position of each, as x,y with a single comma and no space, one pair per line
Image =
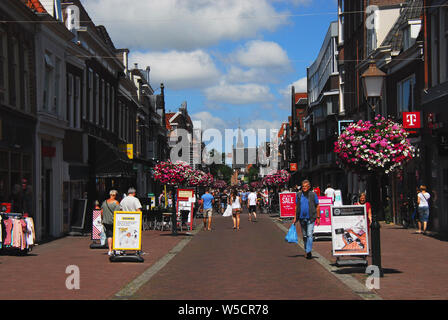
127,231
287,204
325,204
185,201
349,230
97,225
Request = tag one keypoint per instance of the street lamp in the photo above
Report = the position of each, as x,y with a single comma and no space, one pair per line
372,80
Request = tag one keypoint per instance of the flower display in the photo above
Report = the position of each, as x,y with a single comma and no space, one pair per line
172,173
256,184
278,178
380,145
220,184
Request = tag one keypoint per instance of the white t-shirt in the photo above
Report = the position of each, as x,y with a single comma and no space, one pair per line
252,199
329,192
236,204
424,199
130,203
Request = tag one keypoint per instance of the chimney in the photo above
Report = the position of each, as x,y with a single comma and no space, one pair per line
148,69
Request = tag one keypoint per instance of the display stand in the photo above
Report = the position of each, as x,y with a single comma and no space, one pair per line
97,228
78,217
127,237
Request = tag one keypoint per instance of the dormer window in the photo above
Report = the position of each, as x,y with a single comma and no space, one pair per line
410,33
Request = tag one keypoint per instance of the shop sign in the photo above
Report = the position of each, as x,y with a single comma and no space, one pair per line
411,120
49,152
342,125
293,166
185,201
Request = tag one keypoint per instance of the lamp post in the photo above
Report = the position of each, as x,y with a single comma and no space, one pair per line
372,80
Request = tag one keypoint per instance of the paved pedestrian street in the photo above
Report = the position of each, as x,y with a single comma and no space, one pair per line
254,263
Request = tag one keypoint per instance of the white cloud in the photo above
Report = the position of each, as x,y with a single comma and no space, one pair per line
299,86
208,121
183,24
238,94
179,70
262,54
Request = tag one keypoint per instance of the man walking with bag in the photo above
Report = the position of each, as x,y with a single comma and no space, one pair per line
308,213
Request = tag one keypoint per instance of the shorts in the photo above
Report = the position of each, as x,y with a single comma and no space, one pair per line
208,213
252,208
423,214
109,230
236,210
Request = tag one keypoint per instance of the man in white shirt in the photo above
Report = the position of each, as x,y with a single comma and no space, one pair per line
252,204
131,203
329,192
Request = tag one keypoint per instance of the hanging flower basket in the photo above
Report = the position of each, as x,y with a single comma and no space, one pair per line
379,146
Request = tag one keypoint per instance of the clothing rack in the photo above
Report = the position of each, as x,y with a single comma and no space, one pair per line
21,251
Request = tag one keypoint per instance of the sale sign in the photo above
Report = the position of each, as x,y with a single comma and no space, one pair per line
287,204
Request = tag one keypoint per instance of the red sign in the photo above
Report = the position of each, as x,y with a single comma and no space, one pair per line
287,205
411,120
293,166
5,207
49,152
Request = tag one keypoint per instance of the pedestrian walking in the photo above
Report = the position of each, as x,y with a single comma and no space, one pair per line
252,205
307,213
235,201
224,201
131,202
108,208
363,202
207,201
329,192
316,190
423,209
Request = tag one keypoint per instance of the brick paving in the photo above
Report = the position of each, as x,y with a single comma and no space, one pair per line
41,274
253,263
414,265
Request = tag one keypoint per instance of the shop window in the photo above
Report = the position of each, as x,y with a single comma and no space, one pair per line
405,95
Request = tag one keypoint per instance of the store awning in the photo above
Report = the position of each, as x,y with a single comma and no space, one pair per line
110,162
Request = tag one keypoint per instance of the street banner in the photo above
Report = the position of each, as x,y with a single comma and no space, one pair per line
97,225
325,204
127,231
349,231
337,198
185,201
287,204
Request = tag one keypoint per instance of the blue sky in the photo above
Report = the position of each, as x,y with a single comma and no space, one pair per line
228,59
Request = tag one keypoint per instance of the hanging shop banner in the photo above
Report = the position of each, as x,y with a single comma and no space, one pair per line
97,225
287,204
185,201
337,198
325,204
349,231
127,231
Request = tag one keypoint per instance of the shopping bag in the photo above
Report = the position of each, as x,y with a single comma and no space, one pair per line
291,236
227,212
103,237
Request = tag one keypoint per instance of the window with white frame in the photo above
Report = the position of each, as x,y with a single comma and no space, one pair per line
107,103
14,75
26,82
405,95
57,87
48,79
3,67
77,103
97,99
69,113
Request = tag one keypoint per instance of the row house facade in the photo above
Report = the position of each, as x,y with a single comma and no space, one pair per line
407,41
78,122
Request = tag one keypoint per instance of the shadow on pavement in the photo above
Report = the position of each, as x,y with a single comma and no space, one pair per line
176,235
362,270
